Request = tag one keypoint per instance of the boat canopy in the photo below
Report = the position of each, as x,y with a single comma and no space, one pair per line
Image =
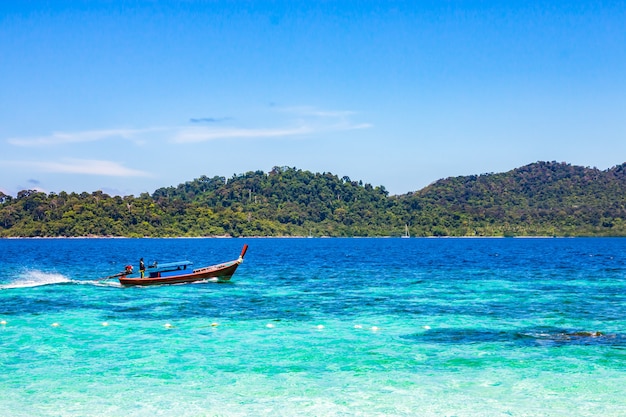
169,266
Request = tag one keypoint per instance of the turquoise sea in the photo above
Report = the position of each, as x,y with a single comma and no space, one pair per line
316,327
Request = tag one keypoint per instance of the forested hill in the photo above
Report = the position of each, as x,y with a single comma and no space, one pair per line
544,198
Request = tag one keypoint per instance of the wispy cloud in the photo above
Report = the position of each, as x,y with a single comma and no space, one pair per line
301,121
203,134
83,166
209,119
326,120
312,111
61,138
307,121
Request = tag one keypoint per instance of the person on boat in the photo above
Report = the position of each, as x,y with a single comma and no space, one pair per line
142,267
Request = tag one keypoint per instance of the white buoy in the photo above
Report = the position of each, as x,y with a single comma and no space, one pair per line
3,322
168,326
320,326
55,324
358,326
426,327
214,324
105,324
375,329
269,325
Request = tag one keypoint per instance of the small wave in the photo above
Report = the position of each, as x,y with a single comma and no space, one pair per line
99,283
36,279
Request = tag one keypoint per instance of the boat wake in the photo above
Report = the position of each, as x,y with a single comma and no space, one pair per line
35,278
100,283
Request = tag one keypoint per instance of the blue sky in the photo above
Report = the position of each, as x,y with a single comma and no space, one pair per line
126,96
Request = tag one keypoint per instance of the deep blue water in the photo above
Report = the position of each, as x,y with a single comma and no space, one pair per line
432,327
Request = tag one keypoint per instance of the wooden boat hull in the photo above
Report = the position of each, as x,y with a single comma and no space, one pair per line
223,272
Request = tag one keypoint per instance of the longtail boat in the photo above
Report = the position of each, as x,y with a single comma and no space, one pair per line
179,272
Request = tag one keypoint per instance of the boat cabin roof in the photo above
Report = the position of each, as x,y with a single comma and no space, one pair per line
169,266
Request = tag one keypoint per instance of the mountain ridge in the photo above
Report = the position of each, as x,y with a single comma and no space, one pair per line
538,199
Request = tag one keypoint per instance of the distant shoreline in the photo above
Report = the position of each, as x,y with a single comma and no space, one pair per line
295,237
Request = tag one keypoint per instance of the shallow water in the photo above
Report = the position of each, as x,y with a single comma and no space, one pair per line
371,327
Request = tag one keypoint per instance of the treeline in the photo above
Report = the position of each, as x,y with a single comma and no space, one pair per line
540,199
544,198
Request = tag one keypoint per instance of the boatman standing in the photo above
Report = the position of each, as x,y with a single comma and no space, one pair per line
142,267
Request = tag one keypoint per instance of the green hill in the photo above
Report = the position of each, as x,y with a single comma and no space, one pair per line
544,198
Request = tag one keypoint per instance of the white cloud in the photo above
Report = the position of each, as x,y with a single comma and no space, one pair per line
305,120
327,120
312,111
61,138
203,134
309,121
83,166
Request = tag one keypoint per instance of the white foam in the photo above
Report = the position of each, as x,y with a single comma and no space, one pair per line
36,278
99,283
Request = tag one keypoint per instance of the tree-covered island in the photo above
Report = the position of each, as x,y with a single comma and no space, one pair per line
540,199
